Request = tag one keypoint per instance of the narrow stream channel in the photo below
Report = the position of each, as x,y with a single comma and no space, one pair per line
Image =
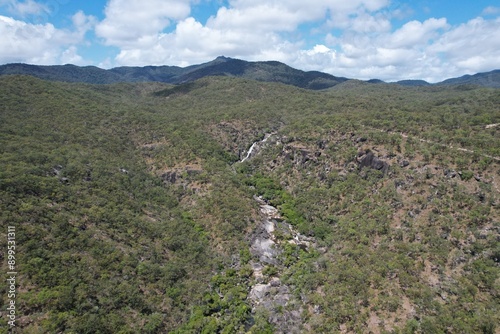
268,291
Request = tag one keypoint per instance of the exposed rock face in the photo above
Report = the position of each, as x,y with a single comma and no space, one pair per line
361,140
368,159
300,155
449,173
266,250
270,293
404,163
169,177
181,175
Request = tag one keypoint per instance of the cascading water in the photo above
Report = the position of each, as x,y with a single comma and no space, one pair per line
254,145
271,293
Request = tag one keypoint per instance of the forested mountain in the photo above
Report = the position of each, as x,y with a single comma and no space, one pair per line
270,71
267,71
488,79
232,205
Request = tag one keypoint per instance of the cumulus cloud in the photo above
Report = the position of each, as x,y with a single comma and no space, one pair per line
249,29
263,17
40,43
417,33
131,23
366,23
472,47
431,50
71,56
33,42
191,42
82,22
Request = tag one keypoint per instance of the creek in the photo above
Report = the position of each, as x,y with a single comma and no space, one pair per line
267,246
268,290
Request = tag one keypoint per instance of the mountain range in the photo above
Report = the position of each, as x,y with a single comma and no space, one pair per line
268,71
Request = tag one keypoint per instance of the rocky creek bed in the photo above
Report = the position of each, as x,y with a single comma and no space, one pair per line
268,290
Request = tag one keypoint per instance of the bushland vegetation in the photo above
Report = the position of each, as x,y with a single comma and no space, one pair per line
133,213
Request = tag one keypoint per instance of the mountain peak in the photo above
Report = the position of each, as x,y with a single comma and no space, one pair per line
223,58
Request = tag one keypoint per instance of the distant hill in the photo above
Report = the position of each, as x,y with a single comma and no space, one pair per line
413,83
68,73
268,71
487,79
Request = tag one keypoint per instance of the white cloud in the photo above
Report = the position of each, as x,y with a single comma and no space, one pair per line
366,23
37,43
491,10
319,49
248,29
431,50
417,33
472,47
82,22
70,56
131,23
320,56
314,9
33,43
25,8
264,17
191,42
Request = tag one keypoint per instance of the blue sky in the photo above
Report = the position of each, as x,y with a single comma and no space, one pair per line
386,39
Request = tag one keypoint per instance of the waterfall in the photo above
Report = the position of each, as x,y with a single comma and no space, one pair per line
254,145
249,151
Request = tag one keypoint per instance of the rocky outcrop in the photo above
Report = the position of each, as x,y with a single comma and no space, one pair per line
270,292
368,159
180,175
300,155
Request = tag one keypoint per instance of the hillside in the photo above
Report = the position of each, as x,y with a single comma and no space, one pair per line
266,71
361,208
489,79
270,71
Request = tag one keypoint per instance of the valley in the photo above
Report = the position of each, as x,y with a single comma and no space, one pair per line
231,205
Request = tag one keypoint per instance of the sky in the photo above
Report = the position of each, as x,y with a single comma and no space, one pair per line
390,40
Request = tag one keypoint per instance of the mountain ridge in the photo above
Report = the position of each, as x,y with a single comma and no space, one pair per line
268,71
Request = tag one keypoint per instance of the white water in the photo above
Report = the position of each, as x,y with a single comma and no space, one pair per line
266,137
249,151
